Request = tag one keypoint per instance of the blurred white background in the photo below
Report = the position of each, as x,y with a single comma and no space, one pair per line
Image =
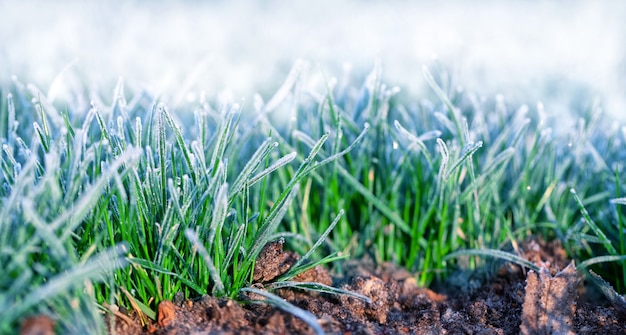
558,52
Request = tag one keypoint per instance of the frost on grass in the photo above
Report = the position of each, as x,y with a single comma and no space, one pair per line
618,301
550,302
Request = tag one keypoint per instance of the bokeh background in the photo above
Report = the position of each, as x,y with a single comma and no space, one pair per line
562,53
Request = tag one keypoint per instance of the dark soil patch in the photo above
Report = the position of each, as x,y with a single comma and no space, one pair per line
467,304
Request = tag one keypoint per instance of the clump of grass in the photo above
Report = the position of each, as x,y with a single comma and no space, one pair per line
165,201
47,194
462,172
190,220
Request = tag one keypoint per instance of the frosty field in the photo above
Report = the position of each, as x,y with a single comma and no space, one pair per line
397,163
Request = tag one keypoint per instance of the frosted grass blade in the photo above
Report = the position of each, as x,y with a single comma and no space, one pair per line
279,302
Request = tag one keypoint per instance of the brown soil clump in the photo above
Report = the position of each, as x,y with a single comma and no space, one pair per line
398,306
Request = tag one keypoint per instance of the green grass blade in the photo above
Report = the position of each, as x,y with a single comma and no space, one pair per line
605,241
600,259
279,302
277,165
292,271
507,256
218,288
467,152
155,267
317,287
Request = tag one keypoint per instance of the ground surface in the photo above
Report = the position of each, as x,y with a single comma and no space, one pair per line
468,304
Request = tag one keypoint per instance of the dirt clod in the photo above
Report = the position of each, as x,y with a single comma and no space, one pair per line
38,325
550,302
166,313
373,288
273,262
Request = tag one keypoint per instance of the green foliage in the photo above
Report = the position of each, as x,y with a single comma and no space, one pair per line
48,193
132,203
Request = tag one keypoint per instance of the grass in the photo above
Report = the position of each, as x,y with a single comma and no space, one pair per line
128,203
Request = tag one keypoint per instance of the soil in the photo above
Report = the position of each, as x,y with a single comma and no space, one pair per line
510,301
